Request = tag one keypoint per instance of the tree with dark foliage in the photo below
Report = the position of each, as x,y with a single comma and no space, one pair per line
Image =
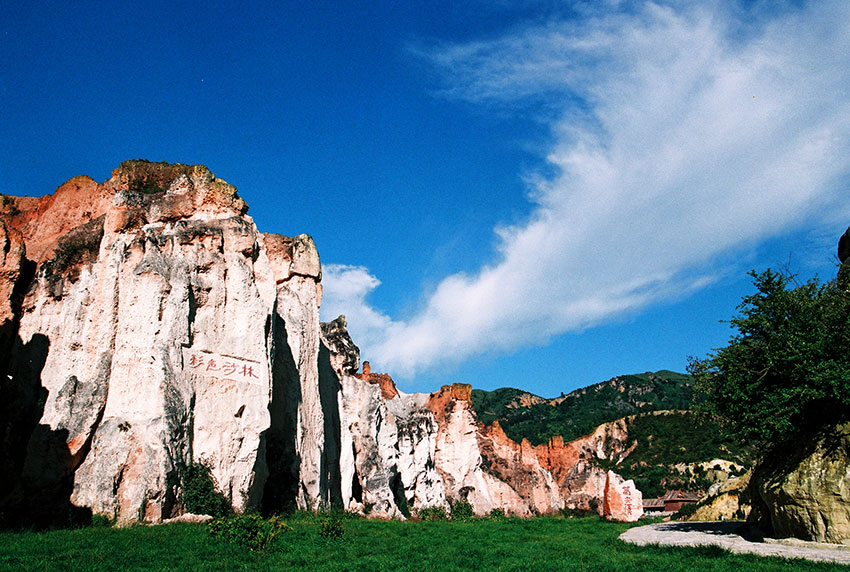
787,370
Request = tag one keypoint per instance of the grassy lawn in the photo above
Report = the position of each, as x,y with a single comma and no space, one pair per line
512,544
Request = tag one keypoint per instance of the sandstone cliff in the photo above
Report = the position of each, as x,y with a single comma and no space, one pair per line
147,324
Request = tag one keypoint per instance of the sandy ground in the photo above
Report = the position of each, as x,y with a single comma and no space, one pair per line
725,534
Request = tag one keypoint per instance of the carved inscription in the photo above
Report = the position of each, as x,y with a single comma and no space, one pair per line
627,499
209,364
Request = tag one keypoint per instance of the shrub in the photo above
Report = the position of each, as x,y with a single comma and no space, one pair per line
200,494
686,511
146,185
331,527
579,512
432,513
249,531
70,249
462,510
101,521
77,246
497,514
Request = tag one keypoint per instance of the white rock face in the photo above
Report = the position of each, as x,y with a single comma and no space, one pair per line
147,305
158,353
388,452
459,461
374,457
417,455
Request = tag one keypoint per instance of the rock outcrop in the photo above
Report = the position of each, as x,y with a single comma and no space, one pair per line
623,501
147,325
844,246
805,492
726,500
145,337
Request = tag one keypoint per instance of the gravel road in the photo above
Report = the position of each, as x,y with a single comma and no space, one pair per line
726,534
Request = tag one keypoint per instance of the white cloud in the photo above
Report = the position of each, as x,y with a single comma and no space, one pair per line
345,291
681,135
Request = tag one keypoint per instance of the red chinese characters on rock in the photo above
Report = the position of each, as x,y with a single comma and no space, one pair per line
209,364
622,500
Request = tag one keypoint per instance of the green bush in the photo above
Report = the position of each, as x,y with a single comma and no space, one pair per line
70,248
579,512
462,510
497,514
200,494
432,513
101,520
250,531
686,511
146,185
331,527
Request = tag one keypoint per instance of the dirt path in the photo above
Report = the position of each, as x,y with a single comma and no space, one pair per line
725,534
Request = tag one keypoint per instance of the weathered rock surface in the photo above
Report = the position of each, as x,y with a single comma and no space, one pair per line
727,500
147,324
145,338
382,380
623,501
804,492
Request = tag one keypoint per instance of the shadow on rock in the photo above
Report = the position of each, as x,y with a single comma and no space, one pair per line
37,468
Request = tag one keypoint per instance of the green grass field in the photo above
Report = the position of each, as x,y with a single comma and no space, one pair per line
508,544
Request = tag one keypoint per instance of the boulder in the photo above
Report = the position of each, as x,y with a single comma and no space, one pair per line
623,501
726,500
804,490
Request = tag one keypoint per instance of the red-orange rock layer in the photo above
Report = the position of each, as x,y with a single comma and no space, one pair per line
440,401
44,220
388,388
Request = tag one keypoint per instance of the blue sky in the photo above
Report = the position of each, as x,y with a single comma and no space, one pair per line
533,194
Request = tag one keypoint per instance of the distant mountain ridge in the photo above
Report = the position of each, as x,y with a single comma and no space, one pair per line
665,445
525,415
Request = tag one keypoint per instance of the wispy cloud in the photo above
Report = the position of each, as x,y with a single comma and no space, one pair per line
681,134
345,291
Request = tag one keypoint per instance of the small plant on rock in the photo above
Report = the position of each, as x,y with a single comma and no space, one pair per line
146,185
432,513
101,521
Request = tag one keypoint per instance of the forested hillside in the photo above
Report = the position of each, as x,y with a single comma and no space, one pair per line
675,447
524,415
678,450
